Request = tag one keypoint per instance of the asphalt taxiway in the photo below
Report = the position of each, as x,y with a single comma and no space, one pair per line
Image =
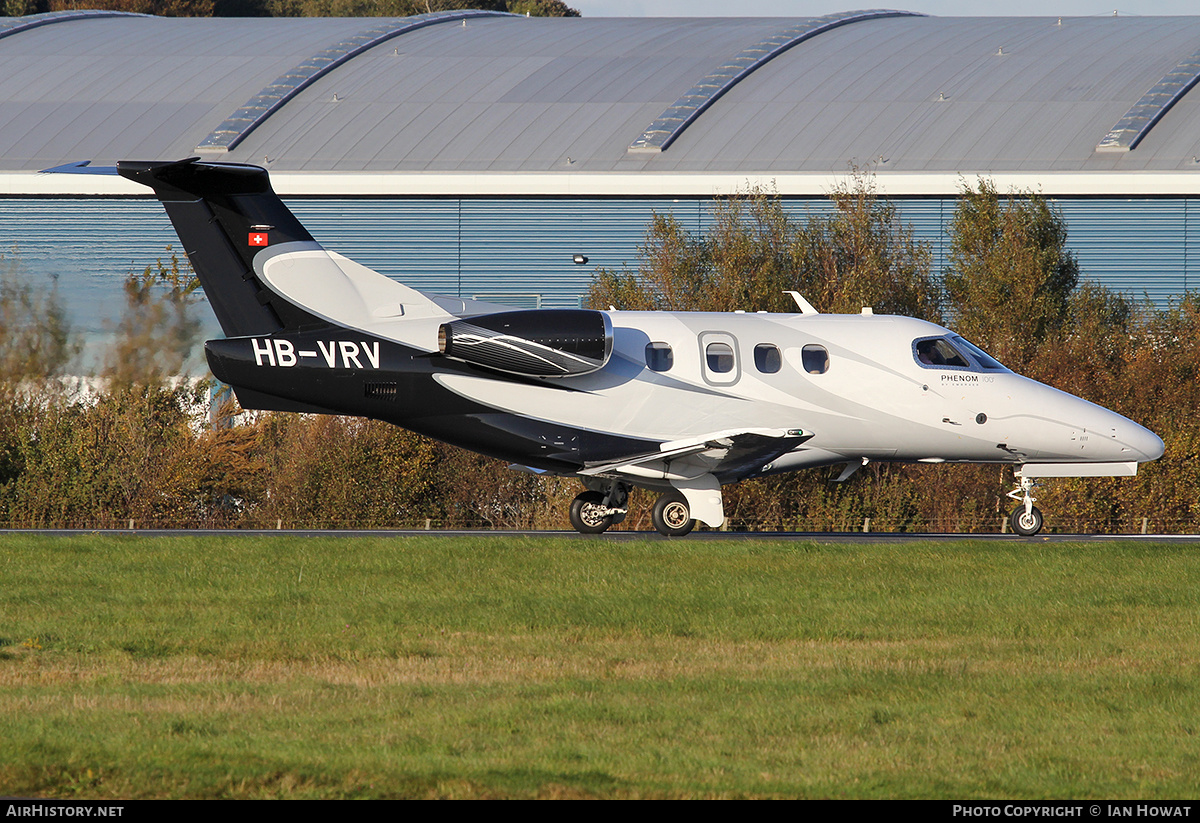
821,537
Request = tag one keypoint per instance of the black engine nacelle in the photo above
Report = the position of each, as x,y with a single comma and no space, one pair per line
541,343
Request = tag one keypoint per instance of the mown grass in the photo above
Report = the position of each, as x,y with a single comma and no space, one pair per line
509,667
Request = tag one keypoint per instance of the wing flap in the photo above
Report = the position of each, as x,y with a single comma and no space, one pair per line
728,453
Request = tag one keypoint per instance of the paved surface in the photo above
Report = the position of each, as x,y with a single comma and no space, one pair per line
827,537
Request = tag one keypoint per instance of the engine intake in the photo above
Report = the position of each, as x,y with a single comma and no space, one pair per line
540,343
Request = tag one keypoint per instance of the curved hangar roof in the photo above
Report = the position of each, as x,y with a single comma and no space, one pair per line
479,94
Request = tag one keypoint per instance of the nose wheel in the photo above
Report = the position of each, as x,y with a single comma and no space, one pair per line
1026,519
1026,523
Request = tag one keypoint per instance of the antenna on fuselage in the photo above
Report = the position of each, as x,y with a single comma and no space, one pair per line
805,306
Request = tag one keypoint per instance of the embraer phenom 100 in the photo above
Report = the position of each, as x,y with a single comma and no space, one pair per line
677,402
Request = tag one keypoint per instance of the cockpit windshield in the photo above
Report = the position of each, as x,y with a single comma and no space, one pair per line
939,351
985,360
953,352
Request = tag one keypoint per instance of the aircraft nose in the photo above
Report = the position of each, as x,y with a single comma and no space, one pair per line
1143,443
1125,440
1070,428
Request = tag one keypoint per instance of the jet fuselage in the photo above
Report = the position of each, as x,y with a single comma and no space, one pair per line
861,391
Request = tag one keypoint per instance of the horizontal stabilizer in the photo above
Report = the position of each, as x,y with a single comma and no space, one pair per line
81,167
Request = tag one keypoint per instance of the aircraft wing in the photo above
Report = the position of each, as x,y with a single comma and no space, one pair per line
731,452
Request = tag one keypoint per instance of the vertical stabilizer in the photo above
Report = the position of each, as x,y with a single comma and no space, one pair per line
225,214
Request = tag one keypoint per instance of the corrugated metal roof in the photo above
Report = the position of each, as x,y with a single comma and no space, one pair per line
919,94
684,111
268,101
947,94
123,87
528,90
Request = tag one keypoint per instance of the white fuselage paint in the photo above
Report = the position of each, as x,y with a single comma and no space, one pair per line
875,400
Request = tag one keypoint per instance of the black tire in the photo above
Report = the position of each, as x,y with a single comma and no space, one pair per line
1026,525
586,513
671,516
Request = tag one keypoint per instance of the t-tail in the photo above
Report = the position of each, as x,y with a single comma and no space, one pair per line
224,214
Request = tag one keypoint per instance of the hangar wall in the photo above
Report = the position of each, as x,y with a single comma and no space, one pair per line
519,251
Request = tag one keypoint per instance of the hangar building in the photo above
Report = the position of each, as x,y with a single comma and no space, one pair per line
476,153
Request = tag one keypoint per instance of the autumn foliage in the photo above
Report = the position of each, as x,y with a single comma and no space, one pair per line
288,8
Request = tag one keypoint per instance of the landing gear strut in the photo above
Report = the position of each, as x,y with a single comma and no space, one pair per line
672,516
1026,519
594,510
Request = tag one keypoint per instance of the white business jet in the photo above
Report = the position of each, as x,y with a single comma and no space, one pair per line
678,402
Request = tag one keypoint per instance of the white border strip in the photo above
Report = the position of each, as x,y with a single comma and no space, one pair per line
638,184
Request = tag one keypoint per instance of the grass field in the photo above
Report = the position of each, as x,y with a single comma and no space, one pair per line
507,667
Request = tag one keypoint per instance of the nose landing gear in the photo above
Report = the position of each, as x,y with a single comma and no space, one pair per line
1026,519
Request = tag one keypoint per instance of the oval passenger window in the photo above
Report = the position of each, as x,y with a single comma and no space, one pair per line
659,356
720,357
767,358
815,359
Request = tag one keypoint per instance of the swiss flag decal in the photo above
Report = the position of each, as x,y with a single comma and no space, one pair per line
258,238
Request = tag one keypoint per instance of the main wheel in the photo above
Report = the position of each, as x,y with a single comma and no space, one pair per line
1025,523
589,515
671,516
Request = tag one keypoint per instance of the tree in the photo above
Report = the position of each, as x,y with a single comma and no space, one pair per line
858,255
674,270
405,8
163,8
542,8
862,254
159,330
1011,276
129,449
35,337
36,344
289,8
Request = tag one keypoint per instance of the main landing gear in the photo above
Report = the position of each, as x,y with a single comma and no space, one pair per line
671,515
594,510
1026,519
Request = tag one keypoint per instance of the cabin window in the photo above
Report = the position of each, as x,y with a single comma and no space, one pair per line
659,357
815,359
939,351
720,357
767,358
